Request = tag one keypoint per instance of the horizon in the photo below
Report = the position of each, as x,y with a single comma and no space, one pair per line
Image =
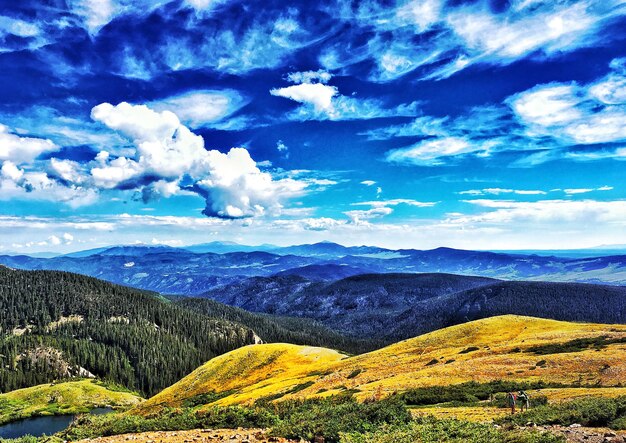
478,125
595,251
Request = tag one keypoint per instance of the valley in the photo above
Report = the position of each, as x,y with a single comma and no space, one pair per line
262,353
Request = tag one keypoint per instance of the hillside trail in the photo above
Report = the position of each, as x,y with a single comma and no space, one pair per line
194,436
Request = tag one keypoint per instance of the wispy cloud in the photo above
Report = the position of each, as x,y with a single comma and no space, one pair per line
202,108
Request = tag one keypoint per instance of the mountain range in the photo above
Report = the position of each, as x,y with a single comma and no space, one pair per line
198,269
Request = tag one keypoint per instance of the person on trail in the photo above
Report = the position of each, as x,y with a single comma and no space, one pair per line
524,401
511,398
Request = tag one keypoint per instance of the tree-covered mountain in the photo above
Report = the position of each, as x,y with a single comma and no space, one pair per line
391,307
279,329
58,325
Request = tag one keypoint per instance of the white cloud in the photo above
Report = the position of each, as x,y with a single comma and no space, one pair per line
231,183
95,13
11,172
511,36
20,150
359,215
395,202
582,114
324,102
498,191
381,208
451,38
316,94
368,182
433,152
30,34
309,76
202,108
282,148
575,191
547,211
548,105
54,240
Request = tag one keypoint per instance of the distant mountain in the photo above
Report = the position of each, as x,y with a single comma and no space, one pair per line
327,250
185,272
391,307
218,247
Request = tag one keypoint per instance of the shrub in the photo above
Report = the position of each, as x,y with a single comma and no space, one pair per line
169,419
332,416
470,349
585,411
432,430
469,392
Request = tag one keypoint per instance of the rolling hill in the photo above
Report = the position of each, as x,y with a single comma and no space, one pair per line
506,347
61,399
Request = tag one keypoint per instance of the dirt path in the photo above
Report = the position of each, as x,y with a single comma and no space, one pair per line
195,436
575,434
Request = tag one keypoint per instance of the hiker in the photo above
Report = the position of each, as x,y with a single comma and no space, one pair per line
524,400
511,399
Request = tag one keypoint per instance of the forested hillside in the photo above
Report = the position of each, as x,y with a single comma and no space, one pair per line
393,307
59,325
276,329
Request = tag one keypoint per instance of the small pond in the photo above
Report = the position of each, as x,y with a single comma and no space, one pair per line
39,426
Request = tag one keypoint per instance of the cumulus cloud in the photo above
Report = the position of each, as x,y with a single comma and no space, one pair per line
19,150
164,159
169,156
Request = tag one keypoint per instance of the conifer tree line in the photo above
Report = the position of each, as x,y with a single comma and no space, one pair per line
127,336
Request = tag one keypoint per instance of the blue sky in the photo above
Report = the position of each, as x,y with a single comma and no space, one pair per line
408,123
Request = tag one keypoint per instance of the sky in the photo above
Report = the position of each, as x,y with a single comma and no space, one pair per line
404,124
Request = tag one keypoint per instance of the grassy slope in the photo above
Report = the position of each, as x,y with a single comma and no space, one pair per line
258,371
62,398
253,371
